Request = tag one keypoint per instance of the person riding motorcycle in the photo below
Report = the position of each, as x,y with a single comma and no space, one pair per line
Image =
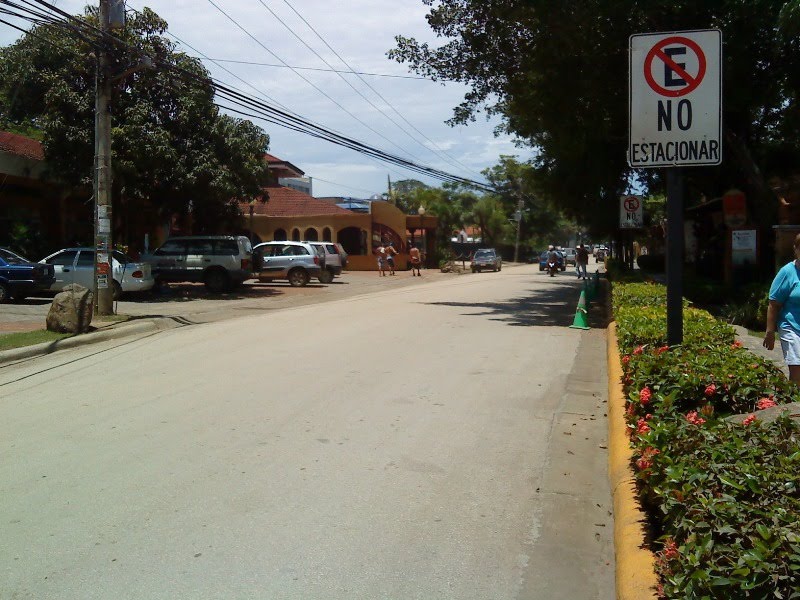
552,261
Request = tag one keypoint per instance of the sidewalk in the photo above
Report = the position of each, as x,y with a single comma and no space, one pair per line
754,344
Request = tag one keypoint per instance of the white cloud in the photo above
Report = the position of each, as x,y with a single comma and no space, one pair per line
360,31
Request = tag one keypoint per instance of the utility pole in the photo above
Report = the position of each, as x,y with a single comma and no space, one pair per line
103,279
518,217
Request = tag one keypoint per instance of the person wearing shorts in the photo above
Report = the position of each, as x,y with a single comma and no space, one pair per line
783,313
416,260
381,253
390,252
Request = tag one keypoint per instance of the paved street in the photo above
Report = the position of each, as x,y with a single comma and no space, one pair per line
441,440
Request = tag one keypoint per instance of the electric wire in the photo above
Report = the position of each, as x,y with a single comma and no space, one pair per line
308,81
269,113
331,70
441,153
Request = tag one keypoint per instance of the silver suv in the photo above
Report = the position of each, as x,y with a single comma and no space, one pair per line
221,262
333,261
296,262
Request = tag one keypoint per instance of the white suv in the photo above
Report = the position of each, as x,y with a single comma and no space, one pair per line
333,260
297,262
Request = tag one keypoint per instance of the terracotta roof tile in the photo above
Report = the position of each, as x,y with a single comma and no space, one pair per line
21,146
286,202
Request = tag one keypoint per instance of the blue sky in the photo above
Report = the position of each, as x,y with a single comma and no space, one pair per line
360,32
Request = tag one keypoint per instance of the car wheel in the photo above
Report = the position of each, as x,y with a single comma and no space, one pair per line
326,276
216,281
5,295
500,267
116,289
298,278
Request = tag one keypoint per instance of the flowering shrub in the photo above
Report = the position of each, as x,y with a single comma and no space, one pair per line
723,499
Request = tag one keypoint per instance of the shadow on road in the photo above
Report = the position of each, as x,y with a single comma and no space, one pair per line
554,306
176,292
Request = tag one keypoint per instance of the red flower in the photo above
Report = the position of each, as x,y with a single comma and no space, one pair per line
711,389
643,464
644,395
638,350
694,419
749,420
671,550
631,409
626,359
766,403
662,349
642,426
736,344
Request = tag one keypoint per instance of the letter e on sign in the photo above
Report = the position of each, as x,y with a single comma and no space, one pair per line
675,99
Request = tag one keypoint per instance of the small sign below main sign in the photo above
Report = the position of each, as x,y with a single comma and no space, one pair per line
631,215
675,103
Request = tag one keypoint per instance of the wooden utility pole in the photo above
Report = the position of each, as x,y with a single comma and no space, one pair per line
103,277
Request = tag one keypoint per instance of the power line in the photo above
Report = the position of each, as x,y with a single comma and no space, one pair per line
265,111
331,70
309,82
441,153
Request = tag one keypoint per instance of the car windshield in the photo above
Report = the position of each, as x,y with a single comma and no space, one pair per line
483,254
11,258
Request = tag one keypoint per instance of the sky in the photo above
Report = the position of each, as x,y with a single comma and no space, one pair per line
403,114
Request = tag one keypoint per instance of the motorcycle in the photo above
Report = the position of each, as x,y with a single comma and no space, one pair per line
552,268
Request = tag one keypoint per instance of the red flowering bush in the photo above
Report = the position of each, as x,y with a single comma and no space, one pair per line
723,500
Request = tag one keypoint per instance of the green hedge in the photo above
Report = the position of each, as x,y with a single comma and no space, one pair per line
723,500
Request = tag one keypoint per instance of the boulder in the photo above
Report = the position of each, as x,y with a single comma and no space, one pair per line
71,311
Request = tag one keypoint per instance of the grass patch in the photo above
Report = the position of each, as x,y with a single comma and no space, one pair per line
29,338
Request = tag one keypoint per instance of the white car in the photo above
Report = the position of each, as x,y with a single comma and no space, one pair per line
76,265
333,260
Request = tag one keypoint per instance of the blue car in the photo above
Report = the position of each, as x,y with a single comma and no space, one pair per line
562,265
20,277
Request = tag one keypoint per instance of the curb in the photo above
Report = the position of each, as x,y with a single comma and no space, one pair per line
110,333
635,565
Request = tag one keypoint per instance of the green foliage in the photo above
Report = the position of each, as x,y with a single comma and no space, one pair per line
723,499
557,71
170,145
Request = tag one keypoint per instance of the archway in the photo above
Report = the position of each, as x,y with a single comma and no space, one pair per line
279,235
311,235
326,235
295,234
351,240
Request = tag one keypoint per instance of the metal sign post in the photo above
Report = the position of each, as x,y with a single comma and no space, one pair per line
675,117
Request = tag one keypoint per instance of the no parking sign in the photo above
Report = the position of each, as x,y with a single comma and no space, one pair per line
675,99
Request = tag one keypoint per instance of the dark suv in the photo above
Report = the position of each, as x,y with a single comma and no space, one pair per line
221,262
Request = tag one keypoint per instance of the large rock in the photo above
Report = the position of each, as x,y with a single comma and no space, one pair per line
71,311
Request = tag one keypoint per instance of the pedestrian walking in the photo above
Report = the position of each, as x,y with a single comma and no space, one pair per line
381,254
416,260
783,313
581,261
390,253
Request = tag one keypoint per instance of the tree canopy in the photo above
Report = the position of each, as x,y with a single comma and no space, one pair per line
170,144
557,75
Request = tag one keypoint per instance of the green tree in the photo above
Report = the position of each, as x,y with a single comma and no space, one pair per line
171,147
557,74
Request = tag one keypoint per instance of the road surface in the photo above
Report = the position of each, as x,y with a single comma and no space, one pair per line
440,441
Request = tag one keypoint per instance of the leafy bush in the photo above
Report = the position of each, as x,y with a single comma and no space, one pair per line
723,500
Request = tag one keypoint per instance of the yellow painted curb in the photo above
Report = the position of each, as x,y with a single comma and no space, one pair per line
635,565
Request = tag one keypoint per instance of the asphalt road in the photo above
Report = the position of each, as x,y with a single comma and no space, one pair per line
393,444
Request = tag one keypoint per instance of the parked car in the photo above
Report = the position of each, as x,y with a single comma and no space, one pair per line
333,261
76,265
20,277
486,258
570,255
221,262
562,266
296,262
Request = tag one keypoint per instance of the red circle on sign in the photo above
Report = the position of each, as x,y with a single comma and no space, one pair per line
631,204
657,51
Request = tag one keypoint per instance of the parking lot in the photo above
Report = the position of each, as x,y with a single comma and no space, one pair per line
192,303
